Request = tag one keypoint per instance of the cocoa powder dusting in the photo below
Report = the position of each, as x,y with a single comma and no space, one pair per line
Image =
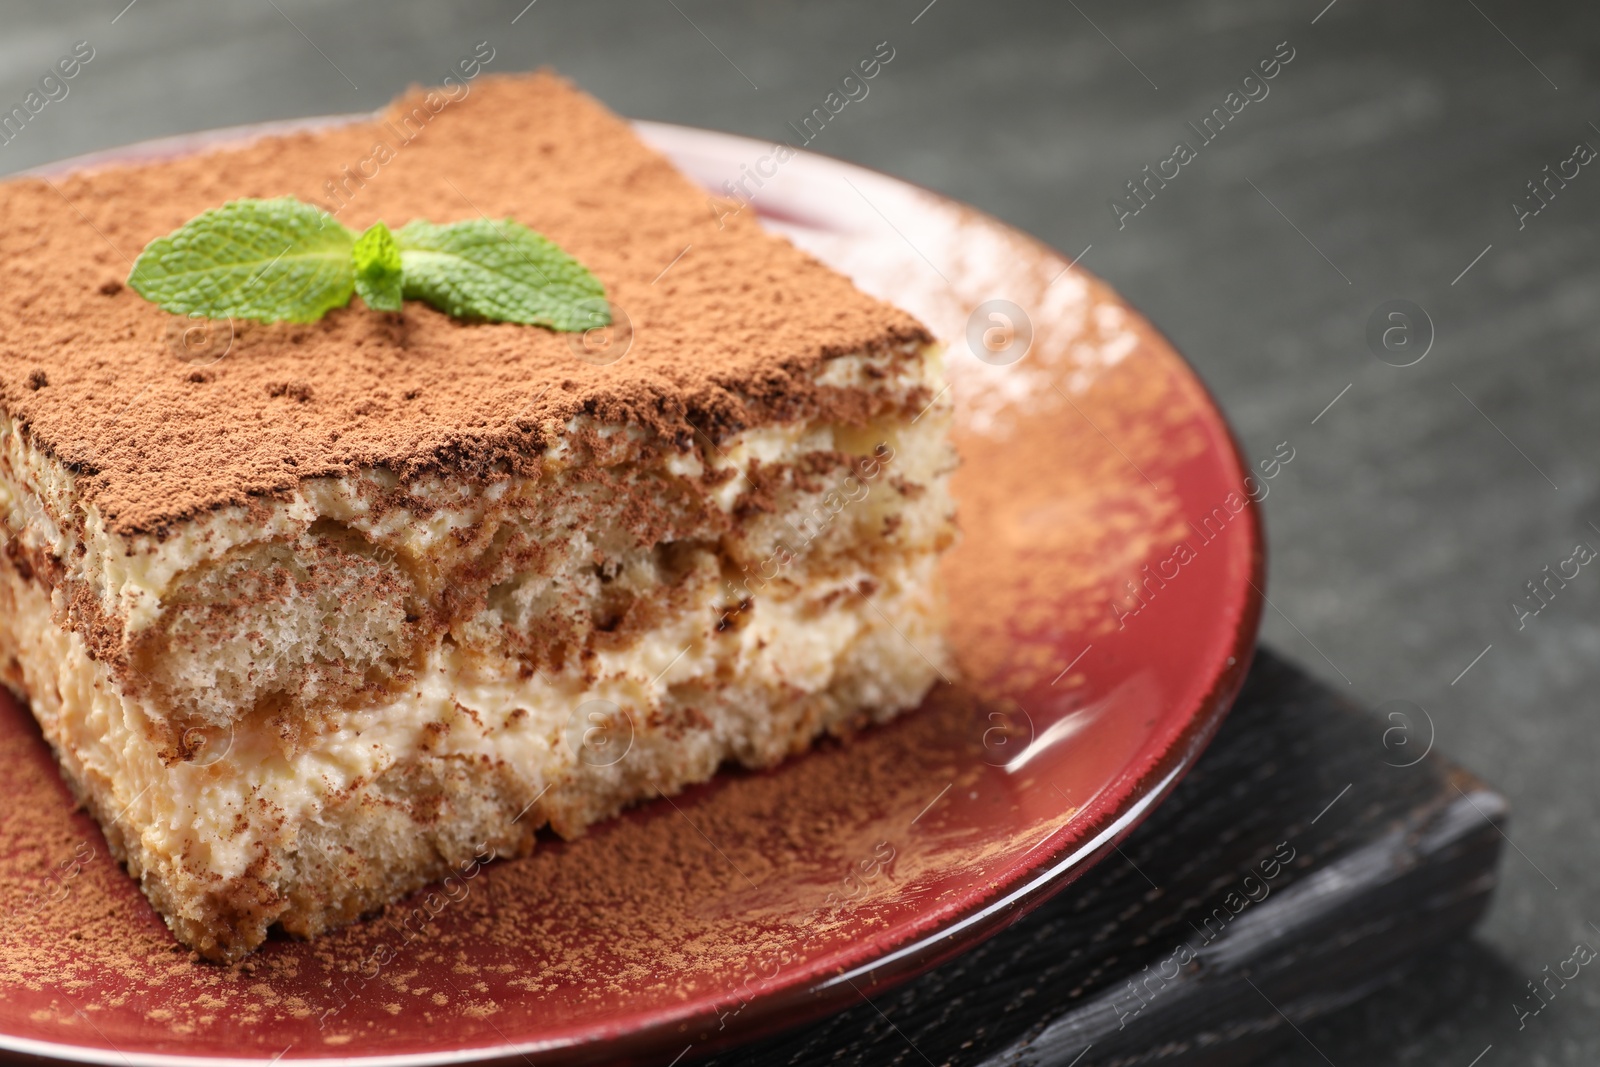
98,376
1056,514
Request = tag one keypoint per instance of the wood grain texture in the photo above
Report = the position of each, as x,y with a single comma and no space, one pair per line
1388,862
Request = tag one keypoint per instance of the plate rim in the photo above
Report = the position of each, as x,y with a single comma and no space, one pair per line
789,1007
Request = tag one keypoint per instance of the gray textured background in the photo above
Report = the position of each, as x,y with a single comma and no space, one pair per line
1395,141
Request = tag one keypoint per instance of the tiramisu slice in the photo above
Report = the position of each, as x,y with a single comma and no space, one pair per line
316,613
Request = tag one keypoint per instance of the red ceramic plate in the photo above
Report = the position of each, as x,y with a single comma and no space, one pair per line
1104,602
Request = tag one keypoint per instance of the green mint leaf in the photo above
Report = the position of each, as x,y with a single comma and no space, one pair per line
501,271
377,264
267,260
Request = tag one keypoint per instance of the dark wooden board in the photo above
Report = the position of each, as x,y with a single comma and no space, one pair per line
1393,853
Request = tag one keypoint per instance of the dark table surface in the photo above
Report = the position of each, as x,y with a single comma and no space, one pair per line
1382,164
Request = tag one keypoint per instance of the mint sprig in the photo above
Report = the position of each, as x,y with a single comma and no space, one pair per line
287,261
378,268
499,270
269,260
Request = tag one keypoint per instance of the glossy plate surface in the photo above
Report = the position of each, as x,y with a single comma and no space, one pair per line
1104,601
